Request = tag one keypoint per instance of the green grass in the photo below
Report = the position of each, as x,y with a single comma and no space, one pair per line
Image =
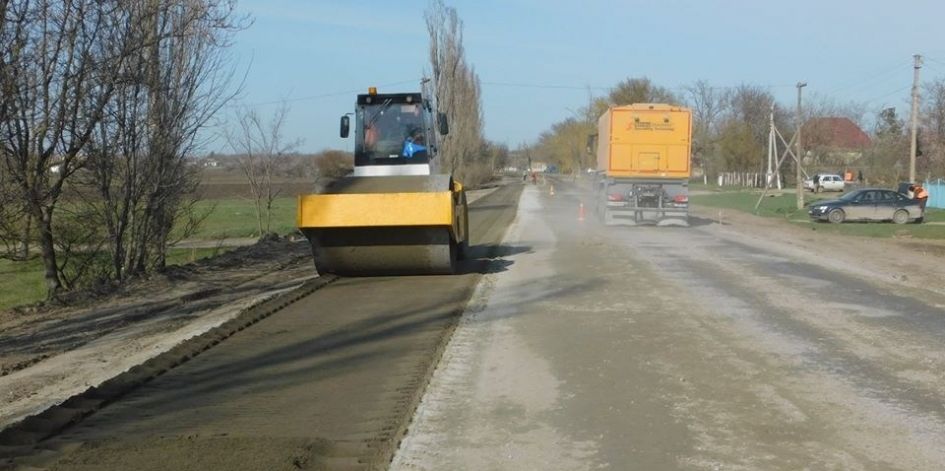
21,282
712,187
185,256
236,217
785,206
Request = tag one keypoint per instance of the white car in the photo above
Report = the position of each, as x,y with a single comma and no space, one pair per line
824,182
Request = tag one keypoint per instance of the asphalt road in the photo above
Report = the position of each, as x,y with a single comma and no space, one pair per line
326,383
680,348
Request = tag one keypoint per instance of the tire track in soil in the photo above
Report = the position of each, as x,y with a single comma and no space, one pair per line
329,383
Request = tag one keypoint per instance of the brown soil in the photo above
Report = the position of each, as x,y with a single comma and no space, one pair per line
108,334
900,261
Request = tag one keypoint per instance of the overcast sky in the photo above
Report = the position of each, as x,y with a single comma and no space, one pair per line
537,58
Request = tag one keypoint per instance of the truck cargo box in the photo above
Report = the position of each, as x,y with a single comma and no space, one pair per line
645,140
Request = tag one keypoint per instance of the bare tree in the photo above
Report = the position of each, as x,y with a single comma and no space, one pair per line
106,94
59,73
456,92
331,165
145,185
933,126
640,90
708,105
261,148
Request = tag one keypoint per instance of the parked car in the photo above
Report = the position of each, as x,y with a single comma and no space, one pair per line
867,204
824,182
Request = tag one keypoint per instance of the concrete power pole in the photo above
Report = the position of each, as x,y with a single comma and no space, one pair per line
915,115
800,123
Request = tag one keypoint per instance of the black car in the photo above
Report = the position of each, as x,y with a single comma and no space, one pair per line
867,204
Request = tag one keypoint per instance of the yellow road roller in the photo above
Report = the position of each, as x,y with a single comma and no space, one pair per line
394,215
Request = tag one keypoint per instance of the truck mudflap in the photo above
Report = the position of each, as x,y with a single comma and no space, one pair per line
645,216
634,202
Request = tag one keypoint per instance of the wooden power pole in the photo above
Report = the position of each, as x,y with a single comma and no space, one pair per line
915,115
799,182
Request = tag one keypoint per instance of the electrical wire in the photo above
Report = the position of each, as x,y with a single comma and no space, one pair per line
317,97
545,86
880,75
898,90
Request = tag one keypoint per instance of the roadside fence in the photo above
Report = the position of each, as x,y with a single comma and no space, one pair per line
936,191
746,179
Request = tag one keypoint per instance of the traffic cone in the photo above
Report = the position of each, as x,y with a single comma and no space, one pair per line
581,212
551,192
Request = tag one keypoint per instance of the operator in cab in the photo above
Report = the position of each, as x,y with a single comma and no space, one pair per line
396,131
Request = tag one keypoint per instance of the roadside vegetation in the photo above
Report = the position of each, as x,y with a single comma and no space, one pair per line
106,105
731,128
102,106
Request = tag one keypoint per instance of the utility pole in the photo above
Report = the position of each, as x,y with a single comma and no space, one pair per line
915,114
799,183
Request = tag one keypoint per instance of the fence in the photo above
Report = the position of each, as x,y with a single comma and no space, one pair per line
936,191
747,179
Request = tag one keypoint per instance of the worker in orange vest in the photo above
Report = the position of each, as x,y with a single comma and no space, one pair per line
922,196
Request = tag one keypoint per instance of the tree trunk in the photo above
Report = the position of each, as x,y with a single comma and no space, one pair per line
48,249
25,239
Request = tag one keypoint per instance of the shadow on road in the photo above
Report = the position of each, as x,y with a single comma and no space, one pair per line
488,258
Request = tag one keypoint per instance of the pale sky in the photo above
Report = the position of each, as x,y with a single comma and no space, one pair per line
537,58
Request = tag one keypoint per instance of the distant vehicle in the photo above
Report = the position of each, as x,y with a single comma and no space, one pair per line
867,204
643,163
824,182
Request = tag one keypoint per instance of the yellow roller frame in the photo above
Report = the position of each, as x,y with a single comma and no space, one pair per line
375,210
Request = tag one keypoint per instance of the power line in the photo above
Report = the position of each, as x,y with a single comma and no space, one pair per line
546,86
935,64
324,95
932,59
902,89
596,87
878,75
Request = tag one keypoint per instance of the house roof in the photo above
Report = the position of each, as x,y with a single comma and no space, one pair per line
840,133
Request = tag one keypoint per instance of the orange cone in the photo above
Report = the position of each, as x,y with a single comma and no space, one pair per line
581,212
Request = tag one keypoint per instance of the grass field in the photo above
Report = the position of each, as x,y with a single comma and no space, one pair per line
785,206
22,283
230,214
236,217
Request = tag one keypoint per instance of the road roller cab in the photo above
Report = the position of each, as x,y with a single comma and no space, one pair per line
394,215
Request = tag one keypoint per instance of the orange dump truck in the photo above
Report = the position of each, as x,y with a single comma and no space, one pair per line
643,165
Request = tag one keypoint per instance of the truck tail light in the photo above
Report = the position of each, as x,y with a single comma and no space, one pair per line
614,197
681,199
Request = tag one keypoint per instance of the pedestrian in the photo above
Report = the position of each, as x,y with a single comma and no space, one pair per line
922,196
859,176
524,176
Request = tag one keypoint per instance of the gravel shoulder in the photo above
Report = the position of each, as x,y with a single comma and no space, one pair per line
901,261
743,344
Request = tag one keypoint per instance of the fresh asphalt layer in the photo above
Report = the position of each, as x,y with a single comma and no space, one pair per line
328,382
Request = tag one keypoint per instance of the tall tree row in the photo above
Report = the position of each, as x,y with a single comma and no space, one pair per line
731,126
565,144
101,102
456,91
